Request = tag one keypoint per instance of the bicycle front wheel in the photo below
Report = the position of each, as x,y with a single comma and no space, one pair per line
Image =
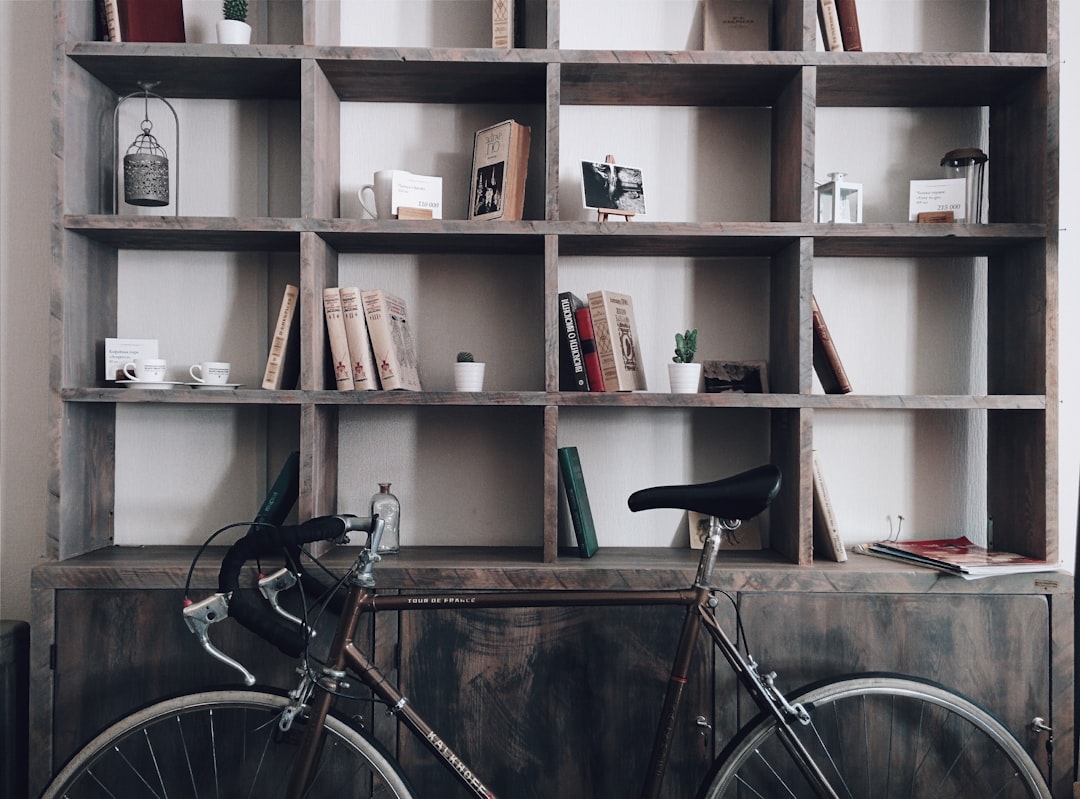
881,736
223,744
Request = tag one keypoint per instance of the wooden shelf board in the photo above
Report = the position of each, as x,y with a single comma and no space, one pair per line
203,233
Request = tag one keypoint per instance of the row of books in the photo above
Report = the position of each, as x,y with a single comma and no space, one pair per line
839,23
598,343
371,342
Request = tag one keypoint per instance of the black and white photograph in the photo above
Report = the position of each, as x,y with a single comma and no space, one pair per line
612,187
489,189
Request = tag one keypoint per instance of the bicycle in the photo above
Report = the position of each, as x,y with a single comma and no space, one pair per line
865,735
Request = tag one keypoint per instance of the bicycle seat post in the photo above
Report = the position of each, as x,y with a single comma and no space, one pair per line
711,549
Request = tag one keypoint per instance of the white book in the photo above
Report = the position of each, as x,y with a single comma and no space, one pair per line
365,377
339,343
391,340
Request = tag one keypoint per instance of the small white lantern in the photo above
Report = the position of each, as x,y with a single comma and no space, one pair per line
838,200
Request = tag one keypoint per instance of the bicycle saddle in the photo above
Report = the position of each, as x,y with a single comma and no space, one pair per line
741,496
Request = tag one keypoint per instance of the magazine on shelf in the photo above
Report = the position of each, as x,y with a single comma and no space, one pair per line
957,556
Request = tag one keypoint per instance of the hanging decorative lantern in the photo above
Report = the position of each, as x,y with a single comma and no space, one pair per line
146,163
838,200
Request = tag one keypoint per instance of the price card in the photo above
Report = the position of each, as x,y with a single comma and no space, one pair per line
416,191
119,351
947,194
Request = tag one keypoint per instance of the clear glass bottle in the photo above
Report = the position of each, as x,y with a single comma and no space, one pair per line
388,508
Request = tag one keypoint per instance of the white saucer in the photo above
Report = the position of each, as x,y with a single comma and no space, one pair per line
218,386
145,384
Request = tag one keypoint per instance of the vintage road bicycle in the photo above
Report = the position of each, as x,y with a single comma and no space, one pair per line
865,735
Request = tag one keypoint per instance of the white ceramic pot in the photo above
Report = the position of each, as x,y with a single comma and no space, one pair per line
468,376
684,377
233,31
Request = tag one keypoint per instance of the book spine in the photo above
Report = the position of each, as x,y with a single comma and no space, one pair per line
502,24
826,529
283,338
587,337
365,377
391,340
605,352
339,342
848,19
830,370
151,20
830,25
577,498
517,170
572,375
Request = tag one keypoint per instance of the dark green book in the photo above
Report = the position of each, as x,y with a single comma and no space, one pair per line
578,498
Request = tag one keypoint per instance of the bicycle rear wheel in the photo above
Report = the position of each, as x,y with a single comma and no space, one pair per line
223,744
881,736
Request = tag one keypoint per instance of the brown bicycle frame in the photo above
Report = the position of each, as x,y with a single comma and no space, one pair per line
699,601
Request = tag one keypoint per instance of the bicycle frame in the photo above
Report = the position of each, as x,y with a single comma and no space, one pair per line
699,600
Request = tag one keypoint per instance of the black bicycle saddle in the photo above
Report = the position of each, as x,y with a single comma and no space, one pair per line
741,496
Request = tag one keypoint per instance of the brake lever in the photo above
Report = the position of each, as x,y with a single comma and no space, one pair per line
273,584
199,616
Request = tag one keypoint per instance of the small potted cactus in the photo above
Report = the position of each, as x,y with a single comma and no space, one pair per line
683,374
234,29
468,373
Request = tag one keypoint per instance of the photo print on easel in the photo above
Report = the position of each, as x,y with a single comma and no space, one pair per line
612,188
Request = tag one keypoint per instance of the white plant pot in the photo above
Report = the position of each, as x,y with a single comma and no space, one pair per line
684,377
468,376
233,31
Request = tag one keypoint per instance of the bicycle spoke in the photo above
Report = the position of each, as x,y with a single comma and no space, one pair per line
187,759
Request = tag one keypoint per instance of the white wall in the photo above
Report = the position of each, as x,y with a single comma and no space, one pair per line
25,180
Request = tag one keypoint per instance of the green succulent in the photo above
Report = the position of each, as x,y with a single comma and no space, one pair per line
235,9
465,357
685,346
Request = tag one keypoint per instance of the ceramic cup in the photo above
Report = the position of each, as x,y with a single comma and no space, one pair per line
381,190
146,370
212,372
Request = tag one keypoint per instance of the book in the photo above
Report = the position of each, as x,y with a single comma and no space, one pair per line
507,24
108,20
593,373
848,17
571,359
957,556
150,20
365,376
339,342
577,497
736,24
616,341
827,364
827,538
283,362
500,165
829,21
391,340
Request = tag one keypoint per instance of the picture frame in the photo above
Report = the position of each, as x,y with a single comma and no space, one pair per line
612,188
746,377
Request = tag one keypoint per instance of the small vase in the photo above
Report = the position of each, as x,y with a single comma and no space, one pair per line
468,376
388,508
684,377
233,31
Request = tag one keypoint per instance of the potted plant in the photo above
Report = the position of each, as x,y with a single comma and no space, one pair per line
468,373
683,373
234,29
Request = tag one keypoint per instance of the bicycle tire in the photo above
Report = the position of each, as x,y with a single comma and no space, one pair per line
223,743
881,735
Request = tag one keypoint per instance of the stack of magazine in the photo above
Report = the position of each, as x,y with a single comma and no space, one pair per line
956,556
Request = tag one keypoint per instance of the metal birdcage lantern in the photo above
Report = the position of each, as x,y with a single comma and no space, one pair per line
145,162
838,200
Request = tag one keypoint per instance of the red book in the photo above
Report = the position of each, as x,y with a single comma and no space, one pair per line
151,20
849,25
587,339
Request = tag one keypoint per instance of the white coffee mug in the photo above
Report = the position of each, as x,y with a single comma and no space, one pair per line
146,370
381,189
212,372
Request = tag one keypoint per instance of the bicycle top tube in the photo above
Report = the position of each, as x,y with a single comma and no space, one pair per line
739,497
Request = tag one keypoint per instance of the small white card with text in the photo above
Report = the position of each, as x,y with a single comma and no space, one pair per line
416,191
120,351
946,194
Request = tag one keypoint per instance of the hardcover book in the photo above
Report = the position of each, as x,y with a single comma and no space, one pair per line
577,497
507,24
500,165
365,375
827,539
829,22
283,362
593,373
339,343
848,17
616,341
736,24
391,340
150,20
571,359
830,370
